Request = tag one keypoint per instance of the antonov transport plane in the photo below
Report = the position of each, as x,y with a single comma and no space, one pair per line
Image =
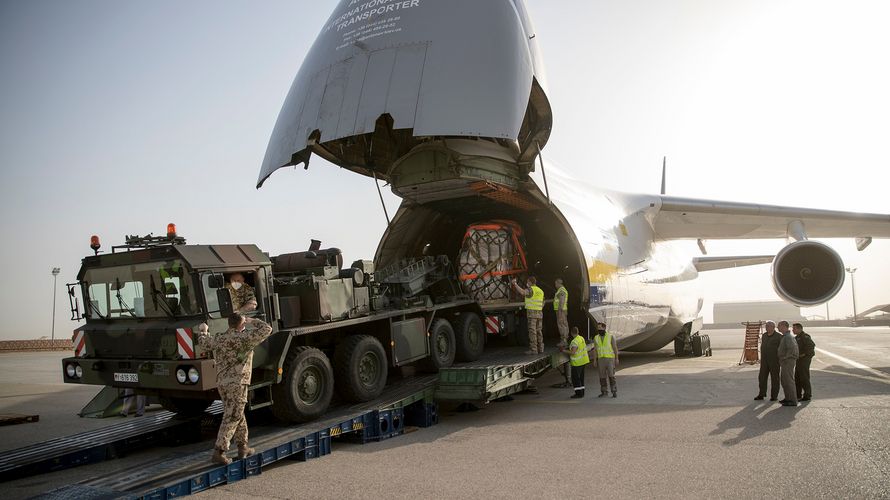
447,102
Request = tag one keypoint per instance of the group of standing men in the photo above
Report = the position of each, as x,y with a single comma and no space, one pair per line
786,355
605,346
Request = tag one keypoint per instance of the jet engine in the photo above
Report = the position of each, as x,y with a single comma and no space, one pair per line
807,273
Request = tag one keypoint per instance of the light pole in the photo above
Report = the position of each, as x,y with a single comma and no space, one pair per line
852,272
56,271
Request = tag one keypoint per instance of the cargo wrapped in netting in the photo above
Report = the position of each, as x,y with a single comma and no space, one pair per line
491,255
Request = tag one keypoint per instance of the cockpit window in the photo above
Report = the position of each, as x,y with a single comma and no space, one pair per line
145,290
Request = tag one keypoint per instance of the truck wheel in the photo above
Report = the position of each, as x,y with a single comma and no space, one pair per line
442,348
184,406
306,388
469,336
361,368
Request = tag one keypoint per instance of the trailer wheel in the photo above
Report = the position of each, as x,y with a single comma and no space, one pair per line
361,368
184,406
306,388
469,336
442,347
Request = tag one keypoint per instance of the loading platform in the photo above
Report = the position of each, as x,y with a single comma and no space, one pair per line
407,402
495,375
102,444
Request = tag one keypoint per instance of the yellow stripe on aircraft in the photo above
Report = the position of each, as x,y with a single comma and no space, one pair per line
600,272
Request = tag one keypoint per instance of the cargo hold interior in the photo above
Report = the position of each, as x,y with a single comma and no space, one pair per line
550,246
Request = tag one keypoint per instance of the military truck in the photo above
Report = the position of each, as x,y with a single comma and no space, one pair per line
335,328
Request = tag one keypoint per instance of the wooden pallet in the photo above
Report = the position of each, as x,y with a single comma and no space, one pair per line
17,418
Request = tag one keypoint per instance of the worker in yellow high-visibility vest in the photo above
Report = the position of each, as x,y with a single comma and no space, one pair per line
561,307
578,360
534,314
606,359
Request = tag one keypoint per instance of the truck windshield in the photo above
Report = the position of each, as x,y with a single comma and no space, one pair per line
144,290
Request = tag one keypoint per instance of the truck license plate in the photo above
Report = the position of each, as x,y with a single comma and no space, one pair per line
126,377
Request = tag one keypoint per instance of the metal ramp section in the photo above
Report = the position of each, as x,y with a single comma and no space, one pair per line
409,403
101,444
106,403
494,376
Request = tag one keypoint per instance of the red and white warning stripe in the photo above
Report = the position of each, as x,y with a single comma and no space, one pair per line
492,324
184,343
80,343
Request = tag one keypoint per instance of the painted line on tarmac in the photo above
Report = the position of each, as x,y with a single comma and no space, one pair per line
855,364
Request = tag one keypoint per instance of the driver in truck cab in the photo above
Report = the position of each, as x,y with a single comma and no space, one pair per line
243,296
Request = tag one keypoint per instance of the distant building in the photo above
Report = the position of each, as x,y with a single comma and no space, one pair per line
739,312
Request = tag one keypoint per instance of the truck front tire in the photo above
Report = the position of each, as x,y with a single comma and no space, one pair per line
306,389
361,368
469,336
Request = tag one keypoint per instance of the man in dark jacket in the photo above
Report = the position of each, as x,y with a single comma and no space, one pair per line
807,349
769,362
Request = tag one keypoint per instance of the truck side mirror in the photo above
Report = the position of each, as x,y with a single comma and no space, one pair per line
216,281
225,302
75,305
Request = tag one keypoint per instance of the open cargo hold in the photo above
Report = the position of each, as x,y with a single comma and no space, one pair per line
547,242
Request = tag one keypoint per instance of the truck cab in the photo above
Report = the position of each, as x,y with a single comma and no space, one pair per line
143,303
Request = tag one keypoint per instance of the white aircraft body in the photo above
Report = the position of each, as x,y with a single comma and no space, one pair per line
447,102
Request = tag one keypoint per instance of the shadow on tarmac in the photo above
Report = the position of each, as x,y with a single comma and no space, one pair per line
754,420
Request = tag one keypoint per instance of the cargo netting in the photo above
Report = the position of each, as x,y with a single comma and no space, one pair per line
492,253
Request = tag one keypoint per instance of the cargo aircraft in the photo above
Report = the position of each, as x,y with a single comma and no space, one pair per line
447,103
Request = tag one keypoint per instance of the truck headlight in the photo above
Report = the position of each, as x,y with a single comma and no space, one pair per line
78,371
69,370
180,375
194,376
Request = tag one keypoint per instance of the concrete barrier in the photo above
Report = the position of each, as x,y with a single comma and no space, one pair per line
36,345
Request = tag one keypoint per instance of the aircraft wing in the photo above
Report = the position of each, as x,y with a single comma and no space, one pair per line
690,218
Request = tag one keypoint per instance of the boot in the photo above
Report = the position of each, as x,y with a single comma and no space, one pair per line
245,451
219,457
603,394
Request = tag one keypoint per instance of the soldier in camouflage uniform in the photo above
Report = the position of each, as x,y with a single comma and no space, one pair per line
243,296
233,353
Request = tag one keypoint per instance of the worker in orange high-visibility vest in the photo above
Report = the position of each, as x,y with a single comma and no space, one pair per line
606,359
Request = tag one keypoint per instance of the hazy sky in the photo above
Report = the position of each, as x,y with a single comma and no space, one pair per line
119,117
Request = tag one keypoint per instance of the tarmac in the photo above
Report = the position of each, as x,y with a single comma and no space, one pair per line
681,427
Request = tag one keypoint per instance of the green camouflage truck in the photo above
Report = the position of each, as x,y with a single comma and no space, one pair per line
335,328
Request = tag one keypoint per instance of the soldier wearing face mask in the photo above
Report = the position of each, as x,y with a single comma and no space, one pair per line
243,296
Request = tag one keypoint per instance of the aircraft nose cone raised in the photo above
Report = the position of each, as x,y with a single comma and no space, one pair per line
384,76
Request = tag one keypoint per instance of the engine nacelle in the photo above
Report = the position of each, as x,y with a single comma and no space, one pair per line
807,273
